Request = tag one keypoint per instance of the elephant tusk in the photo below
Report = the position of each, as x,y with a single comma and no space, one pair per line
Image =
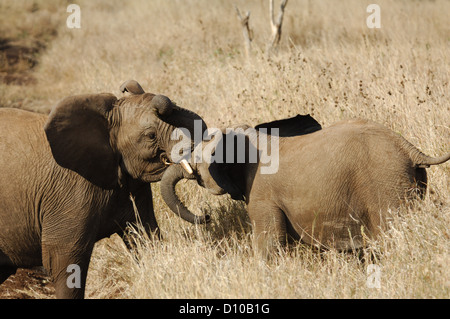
186,166
165,160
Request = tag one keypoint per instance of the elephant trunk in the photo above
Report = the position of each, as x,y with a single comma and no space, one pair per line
171,177
186,119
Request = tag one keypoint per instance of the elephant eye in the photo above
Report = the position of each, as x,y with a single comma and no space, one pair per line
151,134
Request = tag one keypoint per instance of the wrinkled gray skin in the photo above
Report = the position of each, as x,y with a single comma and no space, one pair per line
66,179
331,184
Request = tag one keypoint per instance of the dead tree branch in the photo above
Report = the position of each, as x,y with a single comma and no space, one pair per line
276,25
246,31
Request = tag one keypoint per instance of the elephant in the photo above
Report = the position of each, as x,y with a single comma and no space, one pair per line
333,186
68,179
298,125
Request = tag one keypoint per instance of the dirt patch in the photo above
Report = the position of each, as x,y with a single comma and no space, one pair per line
27,284
27,28
17,60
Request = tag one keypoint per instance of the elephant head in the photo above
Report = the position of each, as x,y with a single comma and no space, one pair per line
108,140
229,174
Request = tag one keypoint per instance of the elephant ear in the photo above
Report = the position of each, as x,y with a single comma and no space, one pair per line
78,133
229,175
132,86
293,126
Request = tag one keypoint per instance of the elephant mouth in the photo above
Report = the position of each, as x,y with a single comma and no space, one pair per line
155,169
184,163
165,160
154,174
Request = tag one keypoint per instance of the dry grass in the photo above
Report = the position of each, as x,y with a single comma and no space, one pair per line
329,65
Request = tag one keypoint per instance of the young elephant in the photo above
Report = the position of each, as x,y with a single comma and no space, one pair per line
331,187
66,179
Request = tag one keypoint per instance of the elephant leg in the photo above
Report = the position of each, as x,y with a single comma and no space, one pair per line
149,219
421,182
139,210
67,246
68,268
6,271
269,227
7,268
143,202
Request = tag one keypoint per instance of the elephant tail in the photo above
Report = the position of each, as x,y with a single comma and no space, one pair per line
420,159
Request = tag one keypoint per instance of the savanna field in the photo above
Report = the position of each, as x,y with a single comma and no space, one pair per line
329,64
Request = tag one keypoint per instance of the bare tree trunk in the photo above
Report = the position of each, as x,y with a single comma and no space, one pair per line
246,31
276,25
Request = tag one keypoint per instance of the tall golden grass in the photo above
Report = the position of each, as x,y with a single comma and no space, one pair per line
330,65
